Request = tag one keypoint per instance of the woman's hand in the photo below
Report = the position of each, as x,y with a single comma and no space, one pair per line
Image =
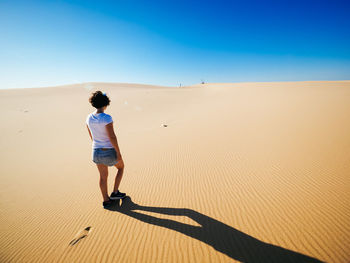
120,163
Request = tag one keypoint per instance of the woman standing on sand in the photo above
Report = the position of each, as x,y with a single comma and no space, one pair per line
105,150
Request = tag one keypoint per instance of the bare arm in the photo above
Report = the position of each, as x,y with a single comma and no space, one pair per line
113,138
89,131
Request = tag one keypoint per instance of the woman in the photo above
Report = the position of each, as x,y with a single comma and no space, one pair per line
105,149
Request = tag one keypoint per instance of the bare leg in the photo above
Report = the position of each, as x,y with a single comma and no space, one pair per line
118,177
103,169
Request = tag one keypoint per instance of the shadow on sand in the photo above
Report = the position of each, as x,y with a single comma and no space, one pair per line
220,236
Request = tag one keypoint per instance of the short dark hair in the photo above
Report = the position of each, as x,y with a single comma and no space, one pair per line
99,99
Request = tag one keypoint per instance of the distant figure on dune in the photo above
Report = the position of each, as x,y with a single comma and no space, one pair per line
105,149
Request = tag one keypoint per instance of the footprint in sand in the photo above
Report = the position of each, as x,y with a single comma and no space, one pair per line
80,235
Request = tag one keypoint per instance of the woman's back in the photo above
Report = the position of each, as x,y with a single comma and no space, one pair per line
97,124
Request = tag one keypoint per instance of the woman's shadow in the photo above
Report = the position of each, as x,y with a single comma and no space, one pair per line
220,236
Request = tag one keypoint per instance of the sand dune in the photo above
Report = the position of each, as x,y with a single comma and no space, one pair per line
250,172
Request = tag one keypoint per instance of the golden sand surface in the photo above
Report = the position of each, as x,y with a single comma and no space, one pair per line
247,172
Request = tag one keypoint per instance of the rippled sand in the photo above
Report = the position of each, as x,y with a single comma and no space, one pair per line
251,172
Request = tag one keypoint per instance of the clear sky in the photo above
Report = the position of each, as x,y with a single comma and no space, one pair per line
166,42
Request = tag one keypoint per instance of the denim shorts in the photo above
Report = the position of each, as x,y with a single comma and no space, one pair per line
106,156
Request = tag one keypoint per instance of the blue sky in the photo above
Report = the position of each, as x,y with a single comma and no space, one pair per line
44,43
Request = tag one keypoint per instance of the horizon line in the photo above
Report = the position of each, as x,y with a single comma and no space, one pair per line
165,86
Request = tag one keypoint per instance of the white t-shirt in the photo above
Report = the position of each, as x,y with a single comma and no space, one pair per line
97,123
